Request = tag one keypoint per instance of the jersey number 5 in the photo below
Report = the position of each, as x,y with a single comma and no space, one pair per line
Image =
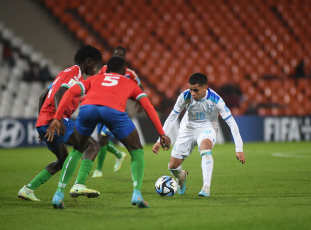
110,81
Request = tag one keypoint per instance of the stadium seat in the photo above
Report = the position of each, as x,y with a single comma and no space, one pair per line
230,41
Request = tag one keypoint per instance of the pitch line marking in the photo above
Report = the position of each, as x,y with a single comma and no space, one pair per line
289,155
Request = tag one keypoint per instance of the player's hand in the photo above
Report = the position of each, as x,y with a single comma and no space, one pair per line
54,127
165,142
240,156
156,147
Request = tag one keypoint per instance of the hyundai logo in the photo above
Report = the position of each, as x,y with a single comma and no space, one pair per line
12,133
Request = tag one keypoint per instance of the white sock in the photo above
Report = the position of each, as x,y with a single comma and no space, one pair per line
207,164
177,172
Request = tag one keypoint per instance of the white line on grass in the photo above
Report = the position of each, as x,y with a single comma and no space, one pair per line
289,155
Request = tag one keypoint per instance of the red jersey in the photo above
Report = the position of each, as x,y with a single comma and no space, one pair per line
111,90
130,74
66,78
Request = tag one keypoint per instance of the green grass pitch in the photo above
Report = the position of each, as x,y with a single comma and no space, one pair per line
271,191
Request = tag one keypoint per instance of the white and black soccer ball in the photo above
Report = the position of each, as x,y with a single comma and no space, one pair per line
166,186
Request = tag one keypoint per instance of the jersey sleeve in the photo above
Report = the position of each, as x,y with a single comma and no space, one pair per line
178,108
134,76
70,80
236,134
152,114
84,86
66,99
224,112
181,102
137,93
227,116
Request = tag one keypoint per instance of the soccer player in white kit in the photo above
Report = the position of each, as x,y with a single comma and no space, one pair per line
198,126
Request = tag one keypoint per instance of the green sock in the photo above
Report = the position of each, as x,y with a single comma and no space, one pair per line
101,157
40,179
68,169
111,148
85,168
137,167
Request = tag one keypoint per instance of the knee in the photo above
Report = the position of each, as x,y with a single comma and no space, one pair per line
103,140
95,147
173,165
91,151
131,146
54,167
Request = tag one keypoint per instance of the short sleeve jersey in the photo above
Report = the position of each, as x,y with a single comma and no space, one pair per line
130,74
66,78
111,90
203,112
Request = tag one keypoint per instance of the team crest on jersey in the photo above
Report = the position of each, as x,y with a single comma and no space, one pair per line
72,82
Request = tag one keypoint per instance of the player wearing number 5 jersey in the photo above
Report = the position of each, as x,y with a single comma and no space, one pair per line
198,126
104,102
103,131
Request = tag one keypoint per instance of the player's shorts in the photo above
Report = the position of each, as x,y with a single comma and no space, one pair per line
117,122
69,124
188,138
103,130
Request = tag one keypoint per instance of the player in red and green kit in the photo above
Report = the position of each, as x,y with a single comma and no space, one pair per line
85,59
104,102
103,132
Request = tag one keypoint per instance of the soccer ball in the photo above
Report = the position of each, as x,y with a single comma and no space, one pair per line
166,186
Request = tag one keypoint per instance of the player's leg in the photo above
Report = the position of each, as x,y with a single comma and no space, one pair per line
106,145
103,141
124,130
80,142
120,155
132,143
66,173
183,147
206,143
86,166
60,151
84,127
175,167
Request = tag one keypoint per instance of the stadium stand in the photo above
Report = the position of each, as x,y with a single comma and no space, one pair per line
255,45
19,97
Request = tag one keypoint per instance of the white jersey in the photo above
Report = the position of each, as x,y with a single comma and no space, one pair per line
202,114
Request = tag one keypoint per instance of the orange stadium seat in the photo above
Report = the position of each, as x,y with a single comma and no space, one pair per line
230,41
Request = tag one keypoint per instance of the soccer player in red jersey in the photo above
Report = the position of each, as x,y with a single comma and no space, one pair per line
103,132
86,58
104,102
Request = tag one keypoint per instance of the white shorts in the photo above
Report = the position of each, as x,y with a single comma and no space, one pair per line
188,138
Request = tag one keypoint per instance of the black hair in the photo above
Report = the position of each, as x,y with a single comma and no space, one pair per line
120,48
198,78
115,64
86,52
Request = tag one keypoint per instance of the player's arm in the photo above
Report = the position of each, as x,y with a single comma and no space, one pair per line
65,100
226,115
57,98
167,127
59,95
135,78
153,116
170,120
42,99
